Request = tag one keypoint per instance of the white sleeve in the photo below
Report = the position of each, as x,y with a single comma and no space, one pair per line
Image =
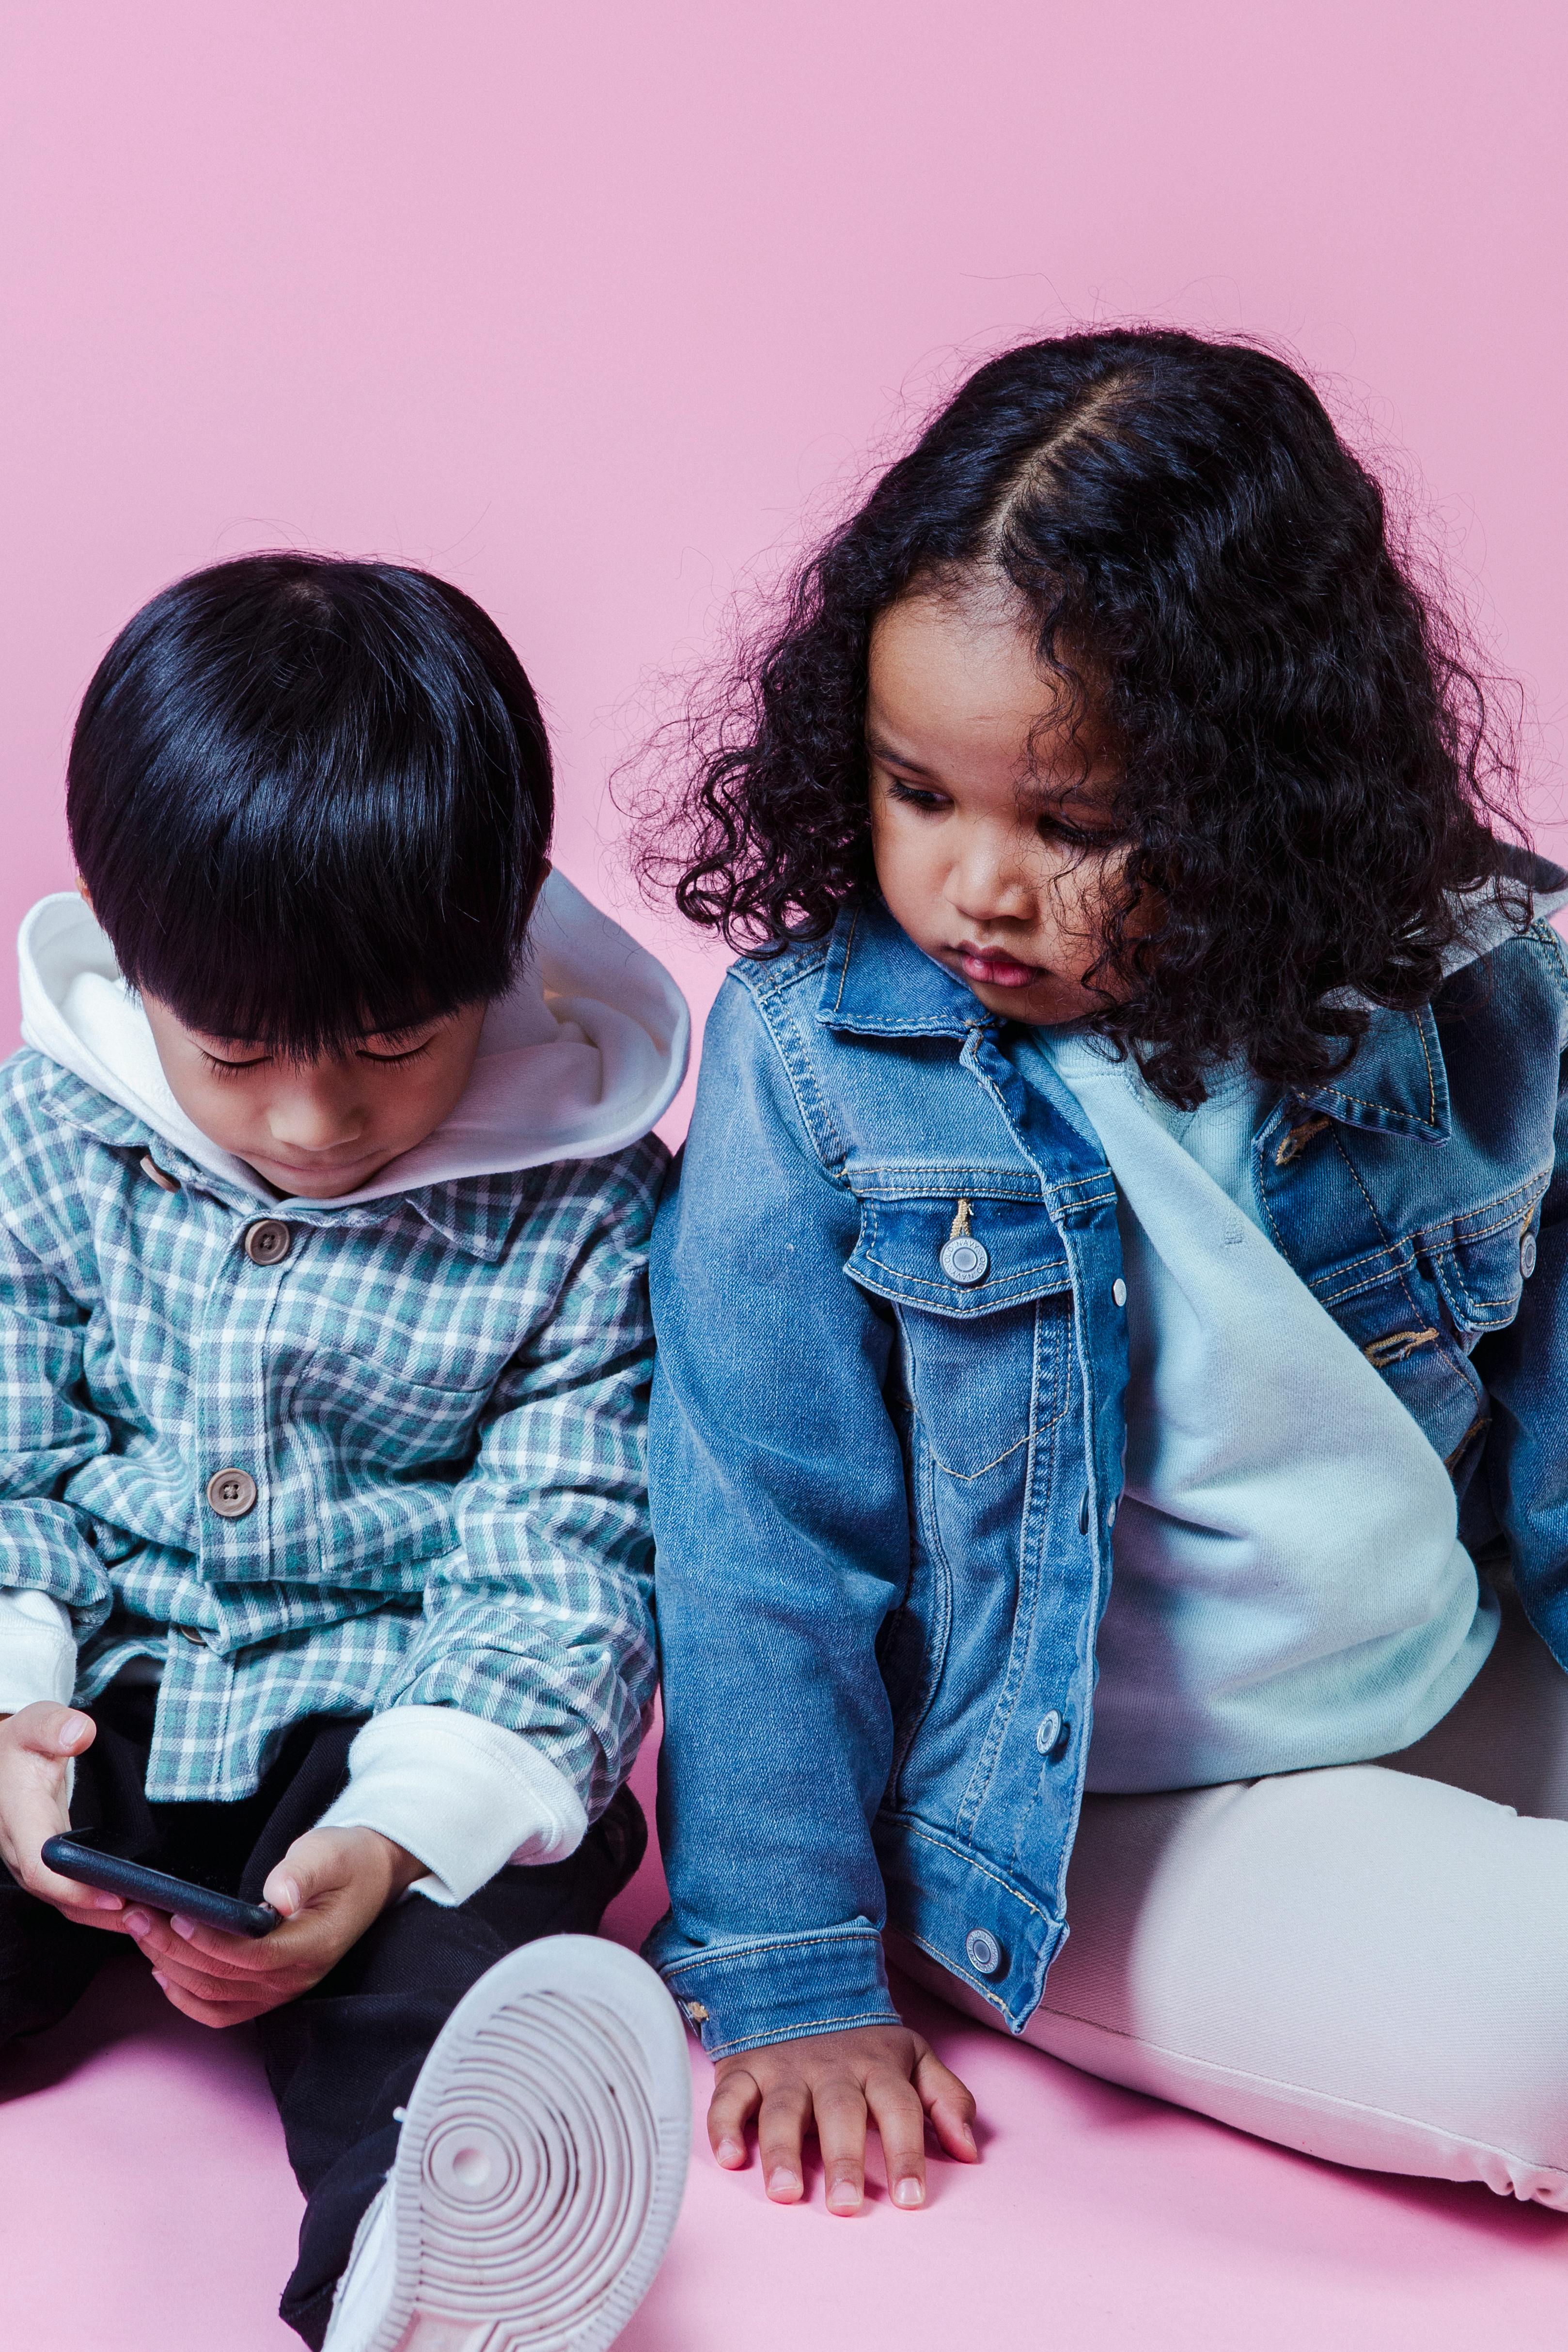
464,1795
37,1651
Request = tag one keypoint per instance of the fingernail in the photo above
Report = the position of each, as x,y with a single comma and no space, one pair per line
908,2192
186,1928
137,1922
729,2151
290,1903
107,1903
782,2184
69,1731
160,1980
843,2197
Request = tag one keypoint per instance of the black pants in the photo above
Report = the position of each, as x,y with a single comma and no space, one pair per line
345,2055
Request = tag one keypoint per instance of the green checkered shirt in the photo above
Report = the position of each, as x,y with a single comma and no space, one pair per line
440,1397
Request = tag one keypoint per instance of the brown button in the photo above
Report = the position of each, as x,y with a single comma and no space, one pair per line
190,1633
267,1241
159,1176
231,1493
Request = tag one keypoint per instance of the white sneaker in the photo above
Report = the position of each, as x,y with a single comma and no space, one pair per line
540,2169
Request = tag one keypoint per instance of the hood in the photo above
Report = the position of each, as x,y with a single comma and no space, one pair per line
580,1057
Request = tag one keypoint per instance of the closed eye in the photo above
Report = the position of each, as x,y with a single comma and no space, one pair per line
412,1055
916,795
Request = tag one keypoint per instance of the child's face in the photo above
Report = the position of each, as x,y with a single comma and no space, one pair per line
966,779
318,1129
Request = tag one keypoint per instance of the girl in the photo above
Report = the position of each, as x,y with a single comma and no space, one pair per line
1108,1444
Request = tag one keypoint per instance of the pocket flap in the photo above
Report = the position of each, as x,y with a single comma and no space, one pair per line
1017,1253
1481,1262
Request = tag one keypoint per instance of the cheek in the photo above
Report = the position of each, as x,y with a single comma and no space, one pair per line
909,871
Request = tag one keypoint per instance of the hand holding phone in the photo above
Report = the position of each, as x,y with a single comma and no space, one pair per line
38,1745
76,1859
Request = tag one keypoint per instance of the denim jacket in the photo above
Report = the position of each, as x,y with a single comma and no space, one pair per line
883,1498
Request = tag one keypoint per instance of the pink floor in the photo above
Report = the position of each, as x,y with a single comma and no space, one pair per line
145,2206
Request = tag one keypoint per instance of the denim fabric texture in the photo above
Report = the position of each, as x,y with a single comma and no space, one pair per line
440,1397
883,1498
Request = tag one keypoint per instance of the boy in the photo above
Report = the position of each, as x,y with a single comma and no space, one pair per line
324,1561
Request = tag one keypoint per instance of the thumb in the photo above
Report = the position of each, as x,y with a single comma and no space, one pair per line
307,1870
55,1732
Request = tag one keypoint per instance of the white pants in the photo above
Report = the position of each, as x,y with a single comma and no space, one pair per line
1369,1963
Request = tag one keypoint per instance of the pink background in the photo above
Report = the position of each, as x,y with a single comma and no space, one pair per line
586,307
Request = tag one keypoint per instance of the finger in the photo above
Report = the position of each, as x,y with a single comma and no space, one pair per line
900,2118
211,2013
841,2134
160,1940
736,2098
315,1864
950,2103
781,2120
46,1729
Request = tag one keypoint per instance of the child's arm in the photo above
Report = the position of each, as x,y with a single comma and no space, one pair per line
49,1572
517,1711
1525,1369
781,1515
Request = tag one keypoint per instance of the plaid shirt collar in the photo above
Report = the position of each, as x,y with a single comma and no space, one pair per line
475,1213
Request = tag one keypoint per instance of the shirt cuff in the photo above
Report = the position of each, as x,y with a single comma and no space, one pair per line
463,1796
37,1651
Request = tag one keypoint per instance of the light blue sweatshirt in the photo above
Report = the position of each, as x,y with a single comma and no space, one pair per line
1288,1585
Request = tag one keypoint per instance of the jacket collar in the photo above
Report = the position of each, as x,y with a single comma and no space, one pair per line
877,984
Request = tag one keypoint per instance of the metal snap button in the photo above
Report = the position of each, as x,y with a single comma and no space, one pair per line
267,1241
1527,1255
982,1952
965,1262
1048,1731
1118,1291
231,1493
961,1258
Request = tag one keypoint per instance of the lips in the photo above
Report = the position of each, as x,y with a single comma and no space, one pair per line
989,968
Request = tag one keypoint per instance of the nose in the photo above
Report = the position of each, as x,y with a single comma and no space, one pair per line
987,883
315,1110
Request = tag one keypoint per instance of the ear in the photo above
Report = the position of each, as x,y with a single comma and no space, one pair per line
86,894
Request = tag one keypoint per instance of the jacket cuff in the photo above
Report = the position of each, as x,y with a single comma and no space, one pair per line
745,1996
462,1795
37,1651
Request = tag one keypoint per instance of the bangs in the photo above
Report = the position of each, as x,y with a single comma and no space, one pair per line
312,801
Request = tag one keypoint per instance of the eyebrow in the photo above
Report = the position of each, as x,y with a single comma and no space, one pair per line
881,749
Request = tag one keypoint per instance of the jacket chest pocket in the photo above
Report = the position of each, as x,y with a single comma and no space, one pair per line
1481,1265
984,1303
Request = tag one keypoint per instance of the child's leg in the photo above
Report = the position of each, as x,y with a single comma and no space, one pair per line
1362,1962
343,2059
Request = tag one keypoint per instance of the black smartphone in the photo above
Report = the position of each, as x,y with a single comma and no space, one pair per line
73,1858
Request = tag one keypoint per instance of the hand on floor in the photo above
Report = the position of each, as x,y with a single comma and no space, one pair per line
878,2073
37,1745
329,1886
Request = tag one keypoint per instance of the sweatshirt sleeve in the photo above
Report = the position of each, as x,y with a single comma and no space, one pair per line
461,1795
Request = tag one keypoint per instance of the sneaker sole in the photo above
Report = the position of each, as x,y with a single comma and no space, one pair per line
541,2162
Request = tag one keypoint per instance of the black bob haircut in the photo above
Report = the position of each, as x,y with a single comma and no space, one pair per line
1309,771
311,799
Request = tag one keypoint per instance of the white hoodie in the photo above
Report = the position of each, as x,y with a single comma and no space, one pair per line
581,1057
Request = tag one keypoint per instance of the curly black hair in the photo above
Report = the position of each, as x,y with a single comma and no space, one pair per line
1311,774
